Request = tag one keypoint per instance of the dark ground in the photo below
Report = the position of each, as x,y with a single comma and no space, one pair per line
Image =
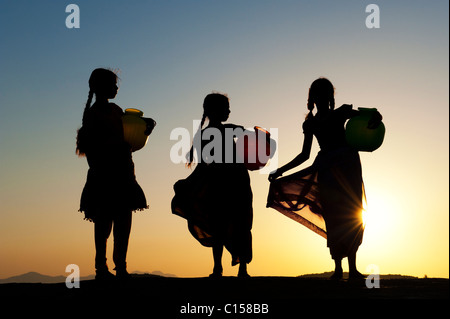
164,297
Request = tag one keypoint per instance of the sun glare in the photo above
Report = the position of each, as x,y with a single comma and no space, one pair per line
378,215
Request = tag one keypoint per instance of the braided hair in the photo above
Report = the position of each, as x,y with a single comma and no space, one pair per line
320,87
96,83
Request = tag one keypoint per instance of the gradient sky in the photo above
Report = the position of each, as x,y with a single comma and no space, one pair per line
264,55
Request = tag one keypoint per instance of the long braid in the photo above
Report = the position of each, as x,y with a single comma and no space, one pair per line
310,105
81,132
88,105
190,155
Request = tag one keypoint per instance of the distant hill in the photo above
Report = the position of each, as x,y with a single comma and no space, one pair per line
326,275
155,273
35,277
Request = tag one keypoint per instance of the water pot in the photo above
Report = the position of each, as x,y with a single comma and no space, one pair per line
359,136
134,127
255,148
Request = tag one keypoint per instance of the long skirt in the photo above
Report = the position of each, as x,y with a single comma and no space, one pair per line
327,198
216,200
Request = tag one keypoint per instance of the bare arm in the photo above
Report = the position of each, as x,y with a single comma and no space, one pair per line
298,160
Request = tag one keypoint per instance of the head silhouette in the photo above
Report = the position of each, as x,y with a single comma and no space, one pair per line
216,107
321,95
103,83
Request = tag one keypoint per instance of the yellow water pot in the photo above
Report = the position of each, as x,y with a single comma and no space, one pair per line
134,127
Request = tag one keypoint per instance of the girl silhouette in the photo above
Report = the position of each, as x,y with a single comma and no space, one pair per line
111,192
216,199
332,188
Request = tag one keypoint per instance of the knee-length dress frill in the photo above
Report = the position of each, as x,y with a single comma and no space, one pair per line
216,200
111,185
327,196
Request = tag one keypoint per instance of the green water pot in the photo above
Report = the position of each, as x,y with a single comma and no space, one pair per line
359,136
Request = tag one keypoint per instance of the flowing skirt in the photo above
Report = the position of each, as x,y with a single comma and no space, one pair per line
216,200
327,198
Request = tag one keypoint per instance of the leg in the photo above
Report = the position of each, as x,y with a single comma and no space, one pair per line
122,229
338,273
102,230
217,255
243,270
353,272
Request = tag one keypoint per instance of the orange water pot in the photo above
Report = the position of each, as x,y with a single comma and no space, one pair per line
255,148
359,136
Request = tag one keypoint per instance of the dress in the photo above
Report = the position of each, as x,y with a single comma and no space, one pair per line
216,200
327,196
111,185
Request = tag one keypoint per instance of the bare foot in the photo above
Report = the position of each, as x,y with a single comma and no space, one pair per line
337,275
243,274
217,272
355,275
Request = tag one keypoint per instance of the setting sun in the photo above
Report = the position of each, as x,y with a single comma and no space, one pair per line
380,217
376,213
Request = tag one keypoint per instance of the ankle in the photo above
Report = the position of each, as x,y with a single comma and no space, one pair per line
103,274
243,270
218,268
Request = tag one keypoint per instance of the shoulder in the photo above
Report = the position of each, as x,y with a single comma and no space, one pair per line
102,112
232,126
344,110
116,108
210,128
